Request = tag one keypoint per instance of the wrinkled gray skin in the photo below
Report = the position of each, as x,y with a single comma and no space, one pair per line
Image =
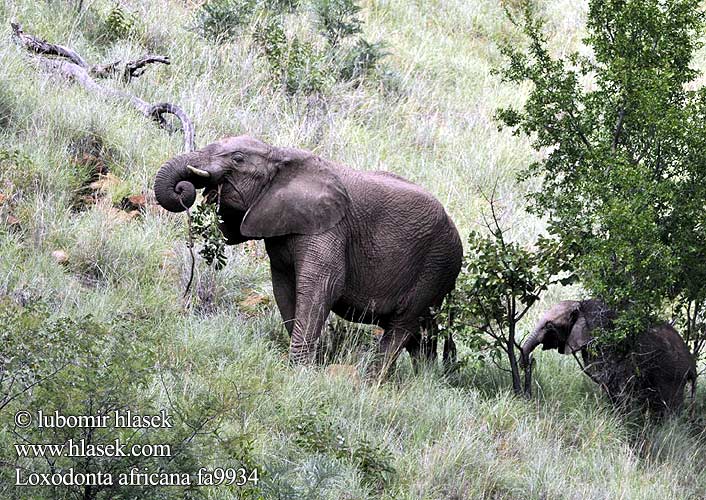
654,371
369,246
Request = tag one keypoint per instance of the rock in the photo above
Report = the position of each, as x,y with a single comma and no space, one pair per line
12,221
253,300
60,257
104,183
349,372
133,202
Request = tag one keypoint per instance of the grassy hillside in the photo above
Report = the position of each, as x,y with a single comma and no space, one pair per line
222,350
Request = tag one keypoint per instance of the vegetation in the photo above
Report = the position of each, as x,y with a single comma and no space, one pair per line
623,177
96,285
500,281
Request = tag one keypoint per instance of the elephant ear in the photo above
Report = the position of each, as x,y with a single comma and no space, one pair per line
579,335
304,197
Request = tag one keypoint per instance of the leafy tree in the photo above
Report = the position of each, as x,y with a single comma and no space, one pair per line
499,282
622,177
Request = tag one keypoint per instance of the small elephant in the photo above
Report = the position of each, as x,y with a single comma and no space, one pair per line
654,371
370,246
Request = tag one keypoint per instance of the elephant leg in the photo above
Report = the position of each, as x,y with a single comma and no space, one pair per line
422,344
312,312
284,290
398,334
316,293
450,357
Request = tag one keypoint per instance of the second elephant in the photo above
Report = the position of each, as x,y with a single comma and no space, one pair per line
654,370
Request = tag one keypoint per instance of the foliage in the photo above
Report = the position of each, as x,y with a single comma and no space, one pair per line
499,282
306,62
361,59
18,174
222,20
205,225
337,19
295,63
119,23
316,432
622,177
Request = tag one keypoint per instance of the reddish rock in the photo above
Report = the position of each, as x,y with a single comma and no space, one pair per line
349,372
60,257
133,202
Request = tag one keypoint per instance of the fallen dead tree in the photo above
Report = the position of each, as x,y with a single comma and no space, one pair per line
69,64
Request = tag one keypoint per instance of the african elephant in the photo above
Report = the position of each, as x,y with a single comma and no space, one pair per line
370,246
654,370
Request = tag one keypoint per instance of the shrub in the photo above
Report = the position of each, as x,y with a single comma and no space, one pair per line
223,20
315,432
294,63
500,281
361,60
337,19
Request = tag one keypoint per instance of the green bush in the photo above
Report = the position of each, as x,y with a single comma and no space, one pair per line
295,64
223,20
360,60
337,19
500,280
315,432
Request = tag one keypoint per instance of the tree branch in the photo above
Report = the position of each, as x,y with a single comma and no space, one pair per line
72,66
618,130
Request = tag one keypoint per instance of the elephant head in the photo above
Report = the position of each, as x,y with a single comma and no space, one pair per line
264,191
563,327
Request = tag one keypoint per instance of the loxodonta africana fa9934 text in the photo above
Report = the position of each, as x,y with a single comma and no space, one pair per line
653,370
370,246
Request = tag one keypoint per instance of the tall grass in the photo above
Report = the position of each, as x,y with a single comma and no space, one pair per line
444,437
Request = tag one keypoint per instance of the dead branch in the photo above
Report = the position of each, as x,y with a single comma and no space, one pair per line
72,66
128,70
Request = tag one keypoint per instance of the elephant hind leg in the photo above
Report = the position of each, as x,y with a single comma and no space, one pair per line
422,344
423,347
399,332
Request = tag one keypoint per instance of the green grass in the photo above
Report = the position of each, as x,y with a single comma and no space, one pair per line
464,437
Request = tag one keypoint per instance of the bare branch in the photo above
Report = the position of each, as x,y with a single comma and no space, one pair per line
136,68
40,46
71,66
130,69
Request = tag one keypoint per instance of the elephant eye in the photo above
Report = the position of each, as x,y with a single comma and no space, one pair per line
238,157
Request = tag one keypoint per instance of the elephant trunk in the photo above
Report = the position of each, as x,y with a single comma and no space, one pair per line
531,342
177,180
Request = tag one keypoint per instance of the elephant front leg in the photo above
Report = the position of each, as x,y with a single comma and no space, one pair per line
313,305
285,296
319,284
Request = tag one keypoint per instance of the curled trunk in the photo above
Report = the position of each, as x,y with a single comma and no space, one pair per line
175,184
